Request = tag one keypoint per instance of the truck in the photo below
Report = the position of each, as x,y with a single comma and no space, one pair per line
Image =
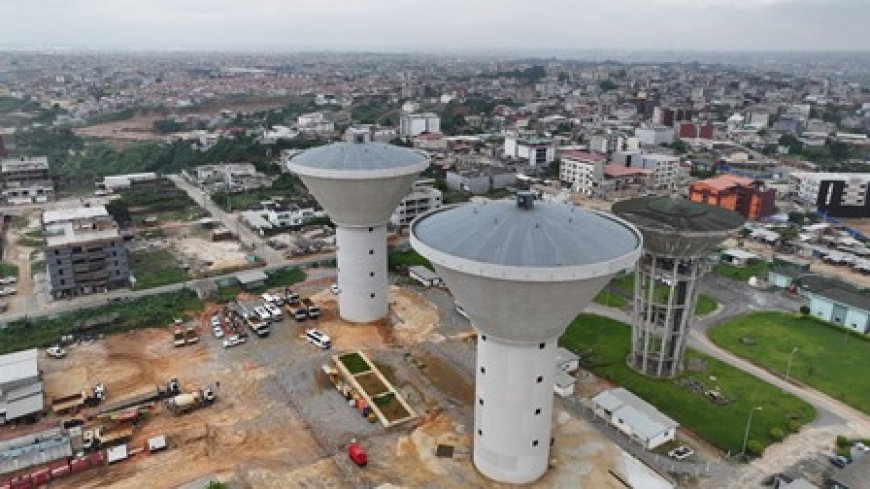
298,311
190,335
178,338
311,308
274,311
258,326
172,388
290,297
189,401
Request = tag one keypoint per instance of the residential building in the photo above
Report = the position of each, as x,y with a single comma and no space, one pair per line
84,252
749,198
479,181
608,143
20,386
690,130
430,141
414,124
785,271
114,183
234,177
583,171
367,133
665,168
532,150
638,419
837,302
26,180
655,136
423,197
835,194
276,216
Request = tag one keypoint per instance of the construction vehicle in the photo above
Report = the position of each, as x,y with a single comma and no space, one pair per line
75,401
258,326
190,335
178,338
311,308
106,436
298,311
290,297
172,388
189,401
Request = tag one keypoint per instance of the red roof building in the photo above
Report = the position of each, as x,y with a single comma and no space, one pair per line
745,196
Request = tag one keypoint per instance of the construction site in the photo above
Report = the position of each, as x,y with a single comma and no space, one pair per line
281,412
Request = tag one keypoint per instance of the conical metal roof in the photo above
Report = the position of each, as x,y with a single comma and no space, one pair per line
357,160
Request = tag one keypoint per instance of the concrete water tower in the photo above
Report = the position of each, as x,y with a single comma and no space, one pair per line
678,235
522,271
359,184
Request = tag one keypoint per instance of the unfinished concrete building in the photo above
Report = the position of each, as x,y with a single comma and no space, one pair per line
26,180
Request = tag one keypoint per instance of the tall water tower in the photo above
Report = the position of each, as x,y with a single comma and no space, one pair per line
523,271
678,235
359,184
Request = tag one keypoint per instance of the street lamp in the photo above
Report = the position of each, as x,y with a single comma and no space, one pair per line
790,358
748,424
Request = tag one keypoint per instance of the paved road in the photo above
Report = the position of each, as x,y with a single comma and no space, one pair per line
246,235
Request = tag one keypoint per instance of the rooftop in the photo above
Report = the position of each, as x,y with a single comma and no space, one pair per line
24,163
836,290
724,182
541,235
18,366
664,214
73,214
357,157
642,416
616,171
66,233
582,155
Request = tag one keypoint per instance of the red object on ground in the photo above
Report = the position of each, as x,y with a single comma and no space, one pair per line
357,454
40,477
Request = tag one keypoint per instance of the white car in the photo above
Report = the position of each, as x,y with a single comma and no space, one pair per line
216,321
8,291
233,341
55,352
318,338
8,280
273,311
682,452
217,331
334,289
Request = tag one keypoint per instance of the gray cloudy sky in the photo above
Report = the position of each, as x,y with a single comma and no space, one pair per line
438,25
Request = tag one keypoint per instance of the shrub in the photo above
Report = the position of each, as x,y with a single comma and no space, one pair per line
805,310
842,441
776,434
793,426
755,448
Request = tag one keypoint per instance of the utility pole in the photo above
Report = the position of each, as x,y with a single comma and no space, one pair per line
748,424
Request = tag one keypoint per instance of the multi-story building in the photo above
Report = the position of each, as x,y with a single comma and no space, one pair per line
608,143
26,180
665,168
423,197
583,171
835,194
84,252
746,196
414,124
655,136
480,180
20,386
532,150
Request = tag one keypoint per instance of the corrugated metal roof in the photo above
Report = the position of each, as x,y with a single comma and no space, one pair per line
358,157
23,406
545,235
675,215
18,366
644,418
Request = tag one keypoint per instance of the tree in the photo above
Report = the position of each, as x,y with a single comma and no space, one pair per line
776,434
167,126
216,485
607,85
754,448
805,310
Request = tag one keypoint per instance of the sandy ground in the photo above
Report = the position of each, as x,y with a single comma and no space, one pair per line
222,254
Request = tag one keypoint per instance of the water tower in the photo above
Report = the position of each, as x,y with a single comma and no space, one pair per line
523,271
678,235
359,184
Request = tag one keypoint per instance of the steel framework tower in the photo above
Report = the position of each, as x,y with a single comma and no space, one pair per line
359,185
522,271
678,236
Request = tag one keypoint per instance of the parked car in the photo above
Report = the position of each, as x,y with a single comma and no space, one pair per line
8,291
216,321
839,461
233,341
334,289
318,338
8,280
682,452
55,352
217,331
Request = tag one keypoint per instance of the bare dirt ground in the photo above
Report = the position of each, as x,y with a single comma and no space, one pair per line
223,255
278,423
14,252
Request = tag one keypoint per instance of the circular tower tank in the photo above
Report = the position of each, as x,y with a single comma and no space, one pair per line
678,235
359,184
522,271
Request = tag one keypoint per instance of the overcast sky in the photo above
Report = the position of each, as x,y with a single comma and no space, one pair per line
438,25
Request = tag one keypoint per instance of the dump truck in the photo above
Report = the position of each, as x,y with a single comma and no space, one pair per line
189,401
311,308
258,326
172,388
298,311
190,335
178,338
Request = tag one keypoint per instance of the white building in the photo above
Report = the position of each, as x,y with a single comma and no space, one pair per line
583,171
808,185
638,419
423,197
533,150
20,386
655,136
665,168
414,124
410,107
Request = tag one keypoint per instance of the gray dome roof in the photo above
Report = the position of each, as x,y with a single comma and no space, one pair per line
664,214
543,235
358,157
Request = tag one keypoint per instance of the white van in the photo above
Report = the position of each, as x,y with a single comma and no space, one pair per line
318,338
263,313
274,311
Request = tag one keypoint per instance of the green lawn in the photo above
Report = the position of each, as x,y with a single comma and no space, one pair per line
406,259
622,287
826,359
144,312
606,298
705,305
8,269
155,268
756,269
604,344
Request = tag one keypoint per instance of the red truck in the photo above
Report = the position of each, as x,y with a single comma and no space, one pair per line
357,454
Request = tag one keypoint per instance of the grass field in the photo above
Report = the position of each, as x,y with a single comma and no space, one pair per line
406,259
155,268
8,269
623,286
606,298
604,344
826,359
757,269
705,305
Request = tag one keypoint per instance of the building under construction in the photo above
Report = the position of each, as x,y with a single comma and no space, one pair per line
678,235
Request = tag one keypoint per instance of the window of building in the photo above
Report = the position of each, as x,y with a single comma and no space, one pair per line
535,443
538,412
540,379
480,401
483,370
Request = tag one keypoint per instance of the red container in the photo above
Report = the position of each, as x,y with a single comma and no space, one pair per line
22,482
5,484
79,465
60,469
357,454
40,477
97,458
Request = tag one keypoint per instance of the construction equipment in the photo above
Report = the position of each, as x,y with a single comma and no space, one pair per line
258,325
298,311
178,338
172,388
311,308
190,335
189,401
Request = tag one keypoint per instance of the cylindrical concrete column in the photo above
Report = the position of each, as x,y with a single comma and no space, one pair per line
514,408
362,272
